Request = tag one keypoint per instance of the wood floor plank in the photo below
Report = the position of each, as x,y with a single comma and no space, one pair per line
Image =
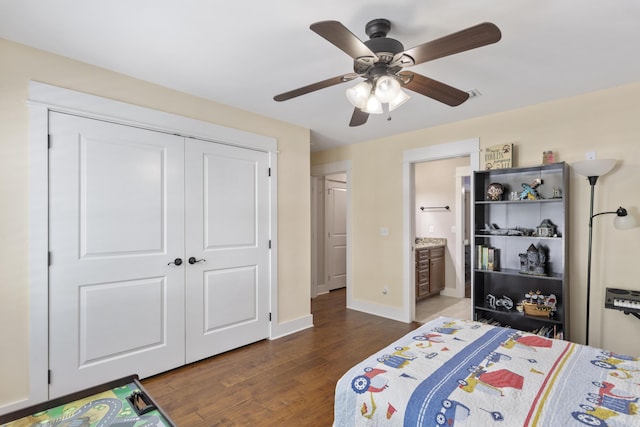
285,382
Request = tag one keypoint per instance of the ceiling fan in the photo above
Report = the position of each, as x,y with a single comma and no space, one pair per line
381,61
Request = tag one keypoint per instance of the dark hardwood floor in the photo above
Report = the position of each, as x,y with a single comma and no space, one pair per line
285,382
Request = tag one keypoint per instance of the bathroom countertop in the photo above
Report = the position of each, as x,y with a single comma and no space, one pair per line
430,242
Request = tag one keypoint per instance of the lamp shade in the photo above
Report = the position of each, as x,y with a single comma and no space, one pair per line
372,106
358,94
624,221
594,167
387,89
399,100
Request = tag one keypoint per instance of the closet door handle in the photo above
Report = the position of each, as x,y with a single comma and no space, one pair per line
176,261
193,260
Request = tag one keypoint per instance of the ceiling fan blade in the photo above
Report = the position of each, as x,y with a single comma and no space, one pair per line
342,38
358,117
470,38
315,86
437,90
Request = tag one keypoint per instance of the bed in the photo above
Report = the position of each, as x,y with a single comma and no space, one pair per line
455,372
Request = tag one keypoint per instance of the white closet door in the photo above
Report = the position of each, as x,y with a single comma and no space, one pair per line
227,229
116,224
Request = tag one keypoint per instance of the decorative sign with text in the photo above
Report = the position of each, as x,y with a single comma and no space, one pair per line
498,156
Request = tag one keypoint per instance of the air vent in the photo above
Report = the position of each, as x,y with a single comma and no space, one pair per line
474,93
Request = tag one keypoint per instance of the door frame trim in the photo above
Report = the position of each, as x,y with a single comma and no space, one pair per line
461,173
467,147
44,98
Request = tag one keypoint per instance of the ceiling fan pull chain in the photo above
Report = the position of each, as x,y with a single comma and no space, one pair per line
385,108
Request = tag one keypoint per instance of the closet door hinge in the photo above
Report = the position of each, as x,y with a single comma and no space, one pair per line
49,376
269,171
49,258
49,142
269,243
269,317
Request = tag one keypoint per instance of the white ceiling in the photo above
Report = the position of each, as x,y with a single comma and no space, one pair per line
242,53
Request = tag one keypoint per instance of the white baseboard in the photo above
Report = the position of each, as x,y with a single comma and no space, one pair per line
450,293
16,405
379,310
291,327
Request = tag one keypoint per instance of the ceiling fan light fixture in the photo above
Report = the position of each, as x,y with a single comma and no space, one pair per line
359,94
373,105
399,100
381,59
387,89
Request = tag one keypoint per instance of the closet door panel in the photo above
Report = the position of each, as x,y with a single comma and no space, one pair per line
227,231
116,224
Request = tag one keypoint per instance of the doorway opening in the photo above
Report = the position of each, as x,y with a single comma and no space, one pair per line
331,228
441,222
451,227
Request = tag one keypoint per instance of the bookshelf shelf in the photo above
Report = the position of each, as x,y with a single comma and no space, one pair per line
518,202
513,272
517,315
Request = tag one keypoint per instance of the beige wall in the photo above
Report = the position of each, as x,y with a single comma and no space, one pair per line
435,185
607,122
19,64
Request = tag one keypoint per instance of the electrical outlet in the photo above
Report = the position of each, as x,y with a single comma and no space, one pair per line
385,290
431,229
384,231
591,155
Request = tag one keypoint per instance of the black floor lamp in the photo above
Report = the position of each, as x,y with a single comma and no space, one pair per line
593,169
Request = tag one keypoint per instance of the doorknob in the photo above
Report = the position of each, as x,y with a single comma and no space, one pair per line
193,260
176,261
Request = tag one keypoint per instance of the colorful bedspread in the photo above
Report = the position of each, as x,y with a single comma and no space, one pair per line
454,372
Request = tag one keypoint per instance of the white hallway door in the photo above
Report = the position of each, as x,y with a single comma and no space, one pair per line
336,226
125,205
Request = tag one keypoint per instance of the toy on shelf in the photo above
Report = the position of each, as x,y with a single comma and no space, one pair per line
529,192
497,303
547,229
533,261
539,305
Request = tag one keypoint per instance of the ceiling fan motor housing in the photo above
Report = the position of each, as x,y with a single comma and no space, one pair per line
378,28
384,47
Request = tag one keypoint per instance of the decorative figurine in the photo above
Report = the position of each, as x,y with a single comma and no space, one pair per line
546,229
494,191
533,261
529,192
496,303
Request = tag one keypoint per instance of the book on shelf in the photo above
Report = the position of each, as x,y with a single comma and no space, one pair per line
549,332
492,259
487,258
545,331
